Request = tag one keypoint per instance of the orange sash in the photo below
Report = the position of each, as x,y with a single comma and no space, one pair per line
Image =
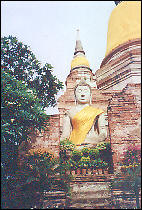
82,123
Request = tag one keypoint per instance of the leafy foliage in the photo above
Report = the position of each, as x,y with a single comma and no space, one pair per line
85,151
93,153
21,114
86,157
42,165
76,155
27,88
84,162
103,146
67,145
23,65
73,164
132,156
36,175
21,109
131,171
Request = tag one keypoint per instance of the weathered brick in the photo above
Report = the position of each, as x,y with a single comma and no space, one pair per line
124,121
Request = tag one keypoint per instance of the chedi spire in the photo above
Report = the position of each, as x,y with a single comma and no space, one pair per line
79,58
78,47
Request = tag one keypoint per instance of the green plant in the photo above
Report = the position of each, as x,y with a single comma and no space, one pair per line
103,146
50,171
66,147
131,171
132,156
93,153
43,165
108,146
132,164
73,165
20,62
104,164
27,88
94,164
85,151
99,163
85,162
105,153
63,179
76,155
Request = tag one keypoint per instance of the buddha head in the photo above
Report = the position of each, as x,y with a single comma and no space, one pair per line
82,93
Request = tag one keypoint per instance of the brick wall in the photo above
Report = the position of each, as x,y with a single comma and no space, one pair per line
49,138
124,114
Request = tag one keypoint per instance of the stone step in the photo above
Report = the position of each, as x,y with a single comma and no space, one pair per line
87,179
101,176
78,207
90,180
122,193
92,188
54,194
91,192
55,200
90,206
90,197
92,200
54,203
53,206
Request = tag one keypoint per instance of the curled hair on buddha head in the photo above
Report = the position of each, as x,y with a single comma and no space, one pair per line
83,83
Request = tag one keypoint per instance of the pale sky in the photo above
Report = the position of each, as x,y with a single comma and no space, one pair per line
49,28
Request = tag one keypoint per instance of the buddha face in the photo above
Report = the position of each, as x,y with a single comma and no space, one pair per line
83,94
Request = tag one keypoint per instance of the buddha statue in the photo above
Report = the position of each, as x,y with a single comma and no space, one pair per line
83,124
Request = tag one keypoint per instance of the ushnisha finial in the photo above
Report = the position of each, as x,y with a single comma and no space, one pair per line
77,35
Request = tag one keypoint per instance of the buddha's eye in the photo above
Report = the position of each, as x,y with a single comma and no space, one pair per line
79,90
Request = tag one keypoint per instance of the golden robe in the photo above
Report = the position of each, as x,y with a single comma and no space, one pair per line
82,123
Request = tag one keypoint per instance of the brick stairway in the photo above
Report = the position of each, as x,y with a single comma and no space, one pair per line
90,192
124,199
54,199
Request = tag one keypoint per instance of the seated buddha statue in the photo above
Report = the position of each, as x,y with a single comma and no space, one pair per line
83,124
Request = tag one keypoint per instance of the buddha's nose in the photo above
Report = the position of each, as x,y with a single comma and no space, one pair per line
82,95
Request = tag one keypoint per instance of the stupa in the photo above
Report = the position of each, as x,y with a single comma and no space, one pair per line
122,63
116,86
120,71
